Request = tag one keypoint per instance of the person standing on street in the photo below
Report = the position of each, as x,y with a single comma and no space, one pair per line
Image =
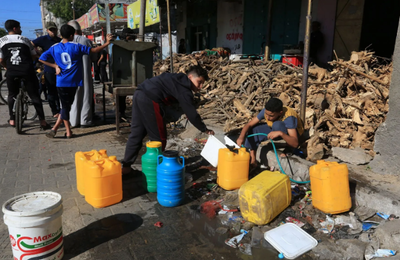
16,54
148,99
45,42
81,110
69,68
102,63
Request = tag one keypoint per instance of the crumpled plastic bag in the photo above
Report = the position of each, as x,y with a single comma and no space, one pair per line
380,253
234,241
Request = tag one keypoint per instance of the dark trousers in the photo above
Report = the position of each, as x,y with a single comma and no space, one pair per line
96,70
67,95
146,120
32,88
103,72
253,142
52,93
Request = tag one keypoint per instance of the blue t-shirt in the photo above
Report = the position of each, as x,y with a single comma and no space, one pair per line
68,56
45,42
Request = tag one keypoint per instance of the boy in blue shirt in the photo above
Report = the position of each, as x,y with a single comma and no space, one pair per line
68,65
278,122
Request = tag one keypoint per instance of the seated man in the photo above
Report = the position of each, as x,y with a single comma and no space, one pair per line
281,123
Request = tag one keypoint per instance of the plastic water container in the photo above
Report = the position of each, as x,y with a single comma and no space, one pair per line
149,165
35,226
330,187
233,168
170,179
80,159
265,196
103,179
290,240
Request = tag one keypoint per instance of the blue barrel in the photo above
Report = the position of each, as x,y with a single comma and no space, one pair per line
170,179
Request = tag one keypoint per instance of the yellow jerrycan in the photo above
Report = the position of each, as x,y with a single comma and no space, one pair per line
264,197
233,168
330,187
103,182
80,159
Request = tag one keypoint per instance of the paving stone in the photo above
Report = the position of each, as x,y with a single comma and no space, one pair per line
121,231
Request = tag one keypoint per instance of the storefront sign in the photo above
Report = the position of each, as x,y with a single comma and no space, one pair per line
152,14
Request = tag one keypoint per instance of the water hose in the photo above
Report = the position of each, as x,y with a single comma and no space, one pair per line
277,158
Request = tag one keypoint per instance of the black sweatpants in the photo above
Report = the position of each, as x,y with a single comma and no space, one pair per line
146,120
32,88
52,93
67,95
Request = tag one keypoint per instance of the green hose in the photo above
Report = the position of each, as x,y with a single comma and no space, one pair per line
277,158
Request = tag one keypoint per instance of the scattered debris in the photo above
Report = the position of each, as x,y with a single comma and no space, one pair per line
327,225
381,253
294,221
234,241
159,224
382,215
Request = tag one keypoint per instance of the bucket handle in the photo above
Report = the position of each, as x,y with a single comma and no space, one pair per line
158,159
183,160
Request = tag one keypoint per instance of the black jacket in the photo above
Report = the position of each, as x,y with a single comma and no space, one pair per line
168,88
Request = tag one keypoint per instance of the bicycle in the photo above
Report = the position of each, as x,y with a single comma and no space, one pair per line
21,107
4,91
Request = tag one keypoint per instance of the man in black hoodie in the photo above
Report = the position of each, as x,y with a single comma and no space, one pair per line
147,117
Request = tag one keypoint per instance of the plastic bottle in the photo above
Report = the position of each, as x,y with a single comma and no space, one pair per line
170,179
149,165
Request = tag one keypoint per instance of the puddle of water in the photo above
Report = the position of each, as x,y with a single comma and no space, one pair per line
207,228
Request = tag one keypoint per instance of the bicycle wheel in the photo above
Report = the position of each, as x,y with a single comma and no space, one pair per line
4,92
29,110
19,117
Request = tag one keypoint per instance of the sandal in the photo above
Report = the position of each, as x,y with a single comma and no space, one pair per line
45,127
51,134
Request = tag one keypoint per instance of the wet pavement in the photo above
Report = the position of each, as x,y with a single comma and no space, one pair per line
31,162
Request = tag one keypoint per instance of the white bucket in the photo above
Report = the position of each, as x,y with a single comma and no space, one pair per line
34,225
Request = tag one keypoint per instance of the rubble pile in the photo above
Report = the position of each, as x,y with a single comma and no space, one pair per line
344,106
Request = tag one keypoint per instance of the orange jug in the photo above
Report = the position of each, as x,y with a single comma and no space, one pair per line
80,159
330,187
233,168
103,182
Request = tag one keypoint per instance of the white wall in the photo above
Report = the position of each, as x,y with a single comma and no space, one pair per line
230,26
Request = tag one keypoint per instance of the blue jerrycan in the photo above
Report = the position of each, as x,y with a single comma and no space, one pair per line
170,179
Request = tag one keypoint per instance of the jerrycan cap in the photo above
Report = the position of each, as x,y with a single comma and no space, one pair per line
170,153
154,144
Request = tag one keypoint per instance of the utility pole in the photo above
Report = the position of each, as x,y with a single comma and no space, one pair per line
73,9
268,41
142,19
107,7
169,38
159,11
303,102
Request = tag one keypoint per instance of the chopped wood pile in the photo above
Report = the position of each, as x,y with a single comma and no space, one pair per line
344,106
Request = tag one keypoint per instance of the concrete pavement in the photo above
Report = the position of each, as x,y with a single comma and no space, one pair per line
31,162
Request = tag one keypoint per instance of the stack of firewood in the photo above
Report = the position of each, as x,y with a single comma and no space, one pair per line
344,106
